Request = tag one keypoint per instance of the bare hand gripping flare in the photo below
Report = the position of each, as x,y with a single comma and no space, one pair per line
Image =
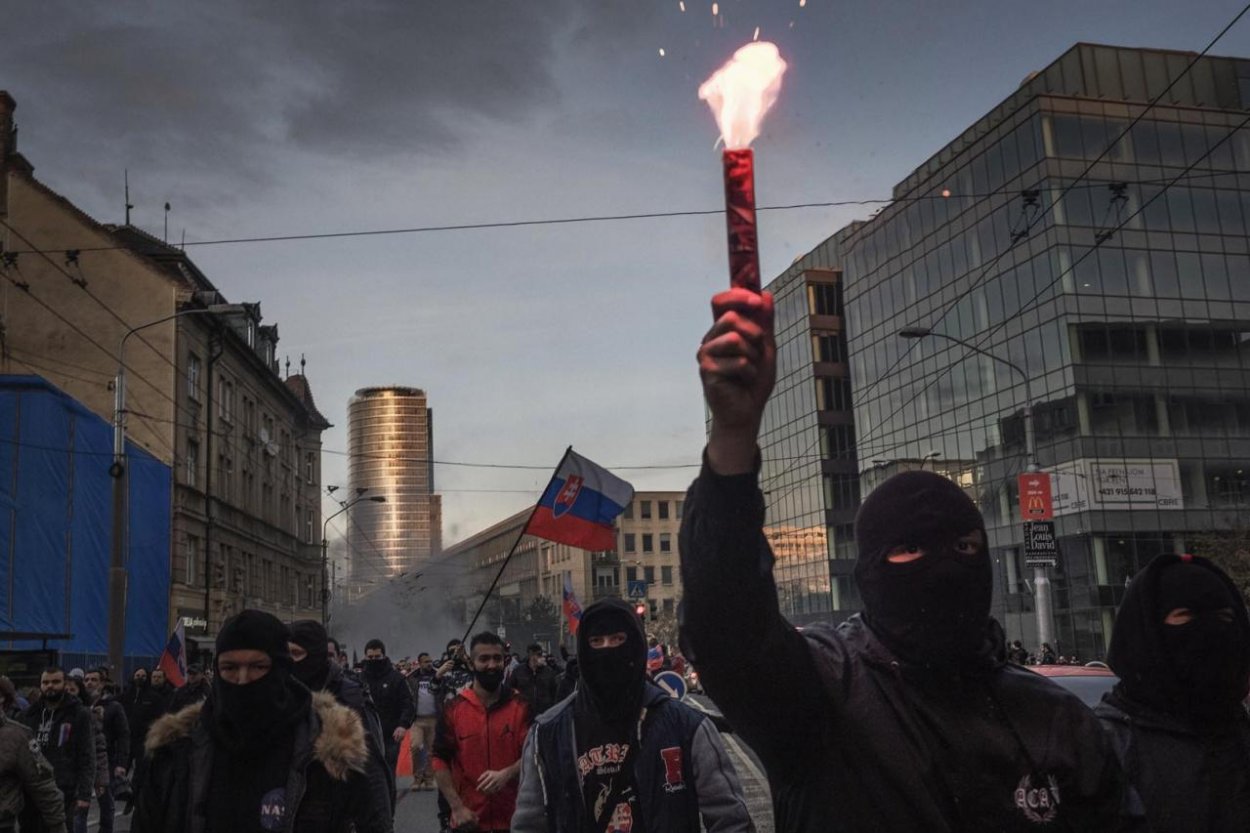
740,93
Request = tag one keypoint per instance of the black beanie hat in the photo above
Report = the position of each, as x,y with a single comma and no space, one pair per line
310,635
256,630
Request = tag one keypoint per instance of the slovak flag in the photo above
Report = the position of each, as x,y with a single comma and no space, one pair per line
572,610
580,504
174,660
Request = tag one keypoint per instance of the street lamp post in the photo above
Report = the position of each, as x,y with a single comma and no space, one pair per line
118,576
1042,603
325,549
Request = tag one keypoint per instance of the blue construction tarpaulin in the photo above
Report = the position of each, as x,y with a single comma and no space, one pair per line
56,521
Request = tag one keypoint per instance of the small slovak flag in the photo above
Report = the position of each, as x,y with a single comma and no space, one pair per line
174,660
572,610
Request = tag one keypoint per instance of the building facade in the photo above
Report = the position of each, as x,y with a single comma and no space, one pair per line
1099,245
204,394
647,550
807,442
391,441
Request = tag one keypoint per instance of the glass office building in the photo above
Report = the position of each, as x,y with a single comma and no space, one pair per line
808,445
1107,258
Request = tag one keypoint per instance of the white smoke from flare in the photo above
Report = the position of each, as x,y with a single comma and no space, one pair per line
742,91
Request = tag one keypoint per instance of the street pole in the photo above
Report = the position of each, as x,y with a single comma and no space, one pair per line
325,550
1042,601
118,575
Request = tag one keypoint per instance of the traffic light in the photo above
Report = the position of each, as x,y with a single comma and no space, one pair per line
641,610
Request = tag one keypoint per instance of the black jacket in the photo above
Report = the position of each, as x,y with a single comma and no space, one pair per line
537,687
392,697
1170,764
348,692
116,730
189,695
852,738
143,706
326,792
67,740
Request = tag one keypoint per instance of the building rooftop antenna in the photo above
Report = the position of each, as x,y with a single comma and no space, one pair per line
166,222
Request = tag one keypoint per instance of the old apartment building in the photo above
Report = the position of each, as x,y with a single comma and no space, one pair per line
205,393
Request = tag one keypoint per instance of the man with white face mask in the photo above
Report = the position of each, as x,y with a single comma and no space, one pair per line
905,718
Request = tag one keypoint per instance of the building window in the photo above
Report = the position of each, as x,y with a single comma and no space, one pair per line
629,511
841,491
193,377
833,394
649,574
192,473
662,506
668,605
631,542
631,573
666,575
838,442
666,542
225,399
644,510
648,542
824,299
826,348
680,505
192,549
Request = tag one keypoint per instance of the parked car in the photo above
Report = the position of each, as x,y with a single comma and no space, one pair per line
1089,682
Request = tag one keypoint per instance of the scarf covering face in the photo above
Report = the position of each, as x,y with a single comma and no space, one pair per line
1199,671
611,679
933,610
314,669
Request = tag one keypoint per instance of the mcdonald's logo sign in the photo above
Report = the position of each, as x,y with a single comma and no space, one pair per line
1035,497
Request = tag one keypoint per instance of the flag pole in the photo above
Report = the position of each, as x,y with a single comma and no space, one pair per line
512,551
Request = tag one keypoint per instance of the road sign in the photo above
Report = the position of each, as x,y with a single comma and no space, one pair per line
501,632
672,682
1040,549
1035,497
637,589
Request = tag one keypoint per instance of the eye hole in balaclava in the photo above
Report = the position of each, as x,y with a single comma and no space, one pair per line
924,569
1181,641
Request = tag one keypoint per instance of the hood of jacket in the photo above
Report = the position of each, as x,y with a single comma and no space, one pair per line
339,743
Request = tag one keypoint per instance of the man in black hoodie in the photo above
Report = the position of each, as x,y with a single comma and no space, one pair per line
907,718
392,697
63,729
1181,647
621,754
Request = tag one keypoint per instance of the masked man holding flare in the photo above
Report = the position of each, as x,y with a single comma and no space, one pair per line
905,718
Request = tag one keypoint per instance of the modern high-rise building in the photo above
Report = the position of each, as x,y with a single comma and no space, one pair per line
1086,253
391,441
1099,245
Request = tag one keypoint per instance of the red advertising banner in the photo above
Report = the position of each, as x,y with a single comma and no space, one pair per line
1035,500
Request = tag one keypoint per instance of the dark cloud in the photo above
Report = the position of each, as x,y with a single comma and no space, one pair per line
219,94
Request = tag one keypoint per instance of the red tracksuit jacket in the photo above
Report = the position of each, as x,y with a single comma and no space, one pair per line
471,739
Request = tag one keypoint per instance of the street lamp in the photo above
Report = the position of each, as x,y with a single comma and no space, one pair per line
1041,583
325,547
118,577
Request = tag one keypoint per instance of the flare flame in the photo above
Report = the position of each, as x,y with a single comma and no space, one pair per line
743,91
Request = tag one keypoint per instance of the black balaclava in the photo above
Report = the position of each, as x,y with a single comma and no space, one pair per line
1200,671
314,669
611,679
934,610
246,716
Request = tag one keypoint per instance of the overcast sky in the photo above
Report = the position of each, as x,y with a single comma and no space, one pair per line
258,118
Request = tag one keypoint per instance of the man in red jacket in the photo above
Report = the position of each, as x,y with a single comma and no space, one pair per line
478,742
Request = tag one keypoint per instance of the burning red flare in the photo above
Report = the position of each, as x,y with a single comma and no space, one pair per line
740,93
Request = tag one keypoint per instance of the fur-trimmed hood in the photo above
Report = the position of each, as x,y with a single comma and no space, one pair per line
339,745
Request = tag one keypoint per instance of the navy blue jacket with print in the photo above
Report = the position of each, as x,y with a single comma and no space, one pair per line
682,773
